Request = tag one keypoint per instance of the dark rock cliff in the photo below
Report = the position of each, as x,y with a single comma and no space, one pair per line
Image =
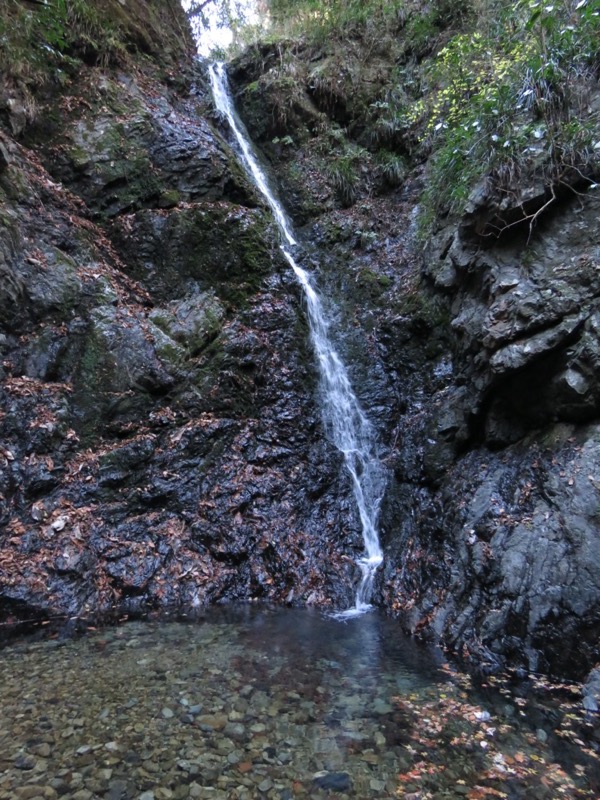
476,350
160,445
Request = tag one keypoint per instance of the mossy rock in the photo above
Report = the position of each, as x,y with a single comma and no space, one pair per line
124,363
193,322
112,164
52,285
221,249
372,283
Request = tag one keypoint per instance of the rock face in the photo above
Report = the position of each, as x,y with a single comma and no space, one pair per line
478,357
512,450
160,443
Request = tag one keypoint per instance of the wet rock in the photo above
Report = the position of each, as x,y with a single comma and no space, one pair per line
43,750
120,790
25,763
5,158
333,781
591,691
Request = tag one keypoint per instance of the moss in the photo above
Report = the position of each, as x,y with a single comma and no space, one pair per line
104,292
115,158
79,157
372,283
92,375
227,248
192,323
423,308
169,352
53,285
169,198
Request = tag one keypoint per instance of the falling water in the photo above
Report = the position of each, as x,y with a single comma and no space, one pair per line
344,419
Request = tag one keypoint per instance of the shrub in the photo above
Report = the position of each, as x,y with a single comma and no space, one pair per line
343,175
511,99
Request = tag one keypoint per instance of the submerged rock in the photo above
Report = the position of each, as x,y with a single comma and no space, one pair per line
333,781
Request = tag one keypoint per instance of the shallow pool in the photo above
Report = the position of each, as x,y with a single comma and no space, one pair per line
255,703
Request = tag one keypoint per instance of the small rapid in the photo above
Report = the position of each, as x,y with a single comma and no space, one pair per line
345,421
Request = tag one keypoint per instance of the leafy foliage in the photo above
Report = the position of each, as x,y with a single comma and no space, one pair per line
34,38
344,178
510,98
480,88
322,18
391,168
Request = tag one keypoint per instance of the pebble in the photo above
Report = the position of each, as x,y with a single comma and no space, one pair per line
32,792
382,707
257,721
379,739
25,763
333,781
117,790
43,750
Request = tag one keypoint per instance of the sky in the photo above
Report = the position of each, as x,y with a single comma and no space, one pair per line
214,34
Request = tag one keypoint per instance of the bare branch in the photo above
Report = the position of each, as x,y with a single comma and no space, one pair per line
197,7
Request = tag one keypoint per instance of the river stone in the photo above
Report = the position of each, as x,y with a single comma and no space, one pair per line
43,750
119,790
33,792
24,762
382,707
333,781
235,731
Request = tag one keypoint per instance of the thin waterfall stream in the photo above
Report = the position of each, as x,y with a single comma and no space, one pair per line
345,421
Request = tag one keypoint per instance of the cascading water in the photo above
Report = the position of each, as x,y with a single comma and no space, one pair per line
344,419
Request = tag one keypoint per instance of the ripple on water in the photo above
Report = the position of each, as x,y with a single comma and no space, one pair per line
278,704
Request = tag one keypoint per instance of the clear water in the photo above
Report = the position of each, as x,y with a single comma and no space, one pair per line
345,421
250,703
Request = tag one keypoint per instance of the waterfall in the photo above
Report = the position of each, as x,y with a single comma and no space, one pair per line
345,421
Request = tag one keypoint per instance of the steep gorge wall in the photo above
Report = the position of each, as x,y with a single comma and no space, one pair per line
159,442
161,447
476,350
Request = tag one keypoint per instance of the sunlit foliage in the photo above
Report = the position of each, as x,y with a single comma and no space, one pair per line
483,87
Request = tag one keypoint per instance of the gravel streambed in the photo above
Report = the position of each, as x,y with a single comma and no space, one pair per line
280,704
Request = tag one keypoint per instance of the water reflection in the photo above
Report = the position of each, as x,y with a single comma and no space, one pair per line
248,703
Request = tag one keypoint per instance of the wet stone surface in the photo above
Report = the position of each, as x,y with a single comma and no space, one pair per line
250,703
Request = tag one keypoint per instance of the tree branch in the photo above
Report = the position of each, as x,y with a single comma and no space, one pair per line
197,7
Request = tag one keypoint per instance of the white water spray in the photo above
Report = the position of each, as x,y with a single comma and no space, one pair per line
345,421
